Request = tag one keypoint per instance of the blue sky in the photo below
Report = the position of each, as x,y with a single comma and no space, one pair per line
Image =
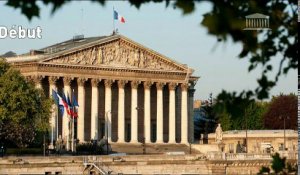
165,30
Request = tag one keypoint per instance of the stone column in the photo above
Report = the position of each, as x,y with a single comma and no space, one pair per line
81,103
108,111
134,112
54,118
159,121
172,121
121,112
38,81
147,114
184,114
191,113
94,110
66,117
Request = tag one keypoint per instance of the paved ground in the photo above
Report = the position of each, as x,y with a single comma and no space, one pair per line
150,148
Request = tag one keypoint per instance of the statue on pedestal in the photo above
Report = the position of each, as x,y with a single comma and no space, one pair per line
219,134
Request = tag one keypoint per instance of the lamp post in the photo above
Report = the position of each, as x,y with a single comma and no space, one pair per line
106,130
143,139
246,134
284,118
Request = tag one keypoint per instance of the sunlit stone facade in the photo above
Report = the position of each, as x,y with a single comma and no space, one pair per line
125,91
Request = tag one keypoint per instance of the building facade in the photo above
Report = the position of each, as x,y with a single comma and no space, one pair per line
125,91
259,141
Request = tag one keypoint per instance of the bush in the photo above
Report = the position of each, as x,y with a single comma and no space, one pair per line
88,148
264,170
279,166
22,151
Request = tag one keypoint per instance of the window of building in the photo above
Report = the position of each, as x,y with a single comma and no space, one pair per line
231,148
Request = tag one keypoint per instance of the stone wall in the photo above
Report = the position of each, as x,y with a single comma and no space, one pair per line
134,164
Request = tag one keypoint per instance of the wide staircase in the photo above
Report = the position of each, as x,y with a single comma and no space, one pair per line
139,148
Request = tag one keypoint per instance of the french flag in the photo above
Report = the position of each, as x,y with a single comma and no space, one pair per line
118,17
64,102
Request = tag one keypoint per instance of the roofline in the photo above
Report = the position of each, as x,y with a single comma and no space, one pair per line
257,14
81,47
105,39
159,54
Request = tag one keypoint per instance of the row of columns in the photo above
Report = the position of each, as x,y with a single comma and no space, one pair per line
257,23
121,110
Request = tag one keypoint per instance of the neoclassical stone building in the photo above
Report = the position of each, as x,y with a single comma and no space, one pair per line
125,91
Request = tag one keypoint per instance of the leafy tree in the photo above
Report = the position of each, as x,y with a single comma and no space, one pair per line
282,106
204,121
237,111
264,170
228,105
225,119
254,114
278,163
279,166
24,110
227,20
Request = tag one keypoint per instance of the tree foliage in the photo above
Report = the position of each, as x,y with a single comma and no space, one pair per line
279,166
225,119
239,113
24,110
278,163
227,20
254,114
229,105
282,106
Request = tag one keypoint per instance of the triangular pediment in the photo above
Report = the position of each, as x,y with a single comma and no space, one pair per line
117,51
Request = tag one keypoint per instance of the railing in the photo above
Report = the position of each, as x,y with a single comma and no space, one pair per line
289,155
91,162
248,156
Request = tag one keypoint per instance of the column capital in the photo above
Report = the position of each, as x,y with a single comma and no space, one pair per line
134,84
67,80
121,83
172,86
53,79
147,84
160,85
184,86
28,79
192,91
81,81
95,81
108,83
37,78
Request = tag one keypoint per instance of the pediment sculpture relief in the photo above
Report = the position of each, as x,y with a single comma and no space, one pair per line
117,55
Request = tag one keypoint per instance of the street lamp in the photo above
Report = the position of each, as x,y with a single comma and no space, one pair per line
143,139
106,129
284,118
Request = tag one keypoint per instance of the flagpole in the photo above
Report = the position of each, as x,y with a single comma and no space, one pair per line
56,122
72,122
68,144
73,134
113,20
63,133
53,106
